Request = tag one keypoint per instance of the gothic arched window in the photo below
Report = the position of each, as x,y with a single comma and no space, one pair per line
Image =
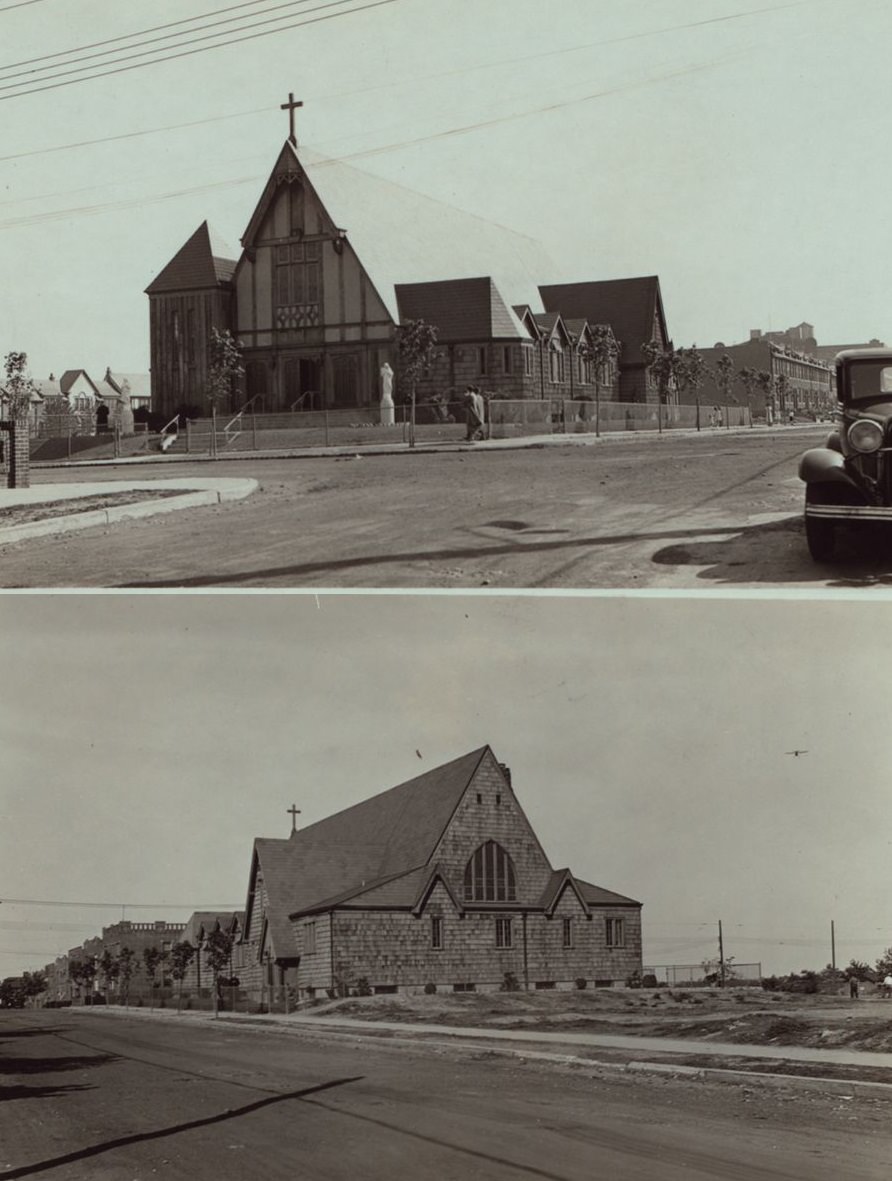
489,875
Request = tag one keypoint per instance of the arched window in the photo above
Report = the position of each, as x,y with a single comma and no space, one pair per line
489,875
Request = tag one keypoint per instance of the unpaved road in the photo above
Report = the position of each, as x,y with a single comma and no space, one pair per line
699,511
118,1099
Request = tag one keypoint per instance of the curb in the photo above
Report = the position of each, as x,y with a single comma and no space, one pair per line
849,1088
108,516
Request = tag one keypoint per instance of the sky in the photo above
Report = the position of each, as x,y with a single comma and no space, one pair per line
737,148
148,739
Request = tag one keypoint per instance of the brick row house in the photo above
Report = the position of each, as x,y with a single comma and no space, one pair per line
439,881
333,260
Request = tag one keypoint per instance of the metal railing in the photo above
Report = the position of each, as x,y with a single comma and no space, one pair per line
167,438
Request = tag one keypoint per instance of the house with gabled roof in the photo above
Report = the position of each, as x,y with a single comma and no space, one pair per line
439,881
634,310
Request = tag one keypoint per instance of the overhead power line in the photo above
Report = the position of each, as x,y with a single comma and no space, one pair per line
105,73
189,20
115,905
184,39
20,4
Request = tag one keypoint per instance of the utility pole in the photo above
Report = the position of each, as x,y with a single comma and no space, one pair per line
721,958
832,945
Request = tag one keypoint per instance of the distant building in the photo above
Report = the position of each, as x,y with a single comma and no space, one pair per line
808,387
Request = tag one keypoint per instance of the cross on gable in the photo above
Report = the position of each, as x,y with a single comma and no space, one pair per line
293,812
291,106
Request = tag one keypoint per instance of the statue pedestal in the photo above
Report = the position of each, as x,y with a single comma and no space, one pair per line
388,414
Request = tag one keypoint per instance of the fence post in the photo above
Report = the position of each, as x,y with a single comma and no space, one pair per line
728,418
117,441
698,414
69,442
597,411
659,417
188,435
254,428
325,412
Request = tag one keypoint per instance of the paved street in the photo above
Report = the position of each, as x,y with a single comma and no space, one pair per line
115,1098
698,511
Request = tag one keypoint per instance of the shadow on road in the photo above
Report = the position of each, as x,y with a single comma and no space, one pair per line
20,1092
53,1065
139,1137
762,553
481,552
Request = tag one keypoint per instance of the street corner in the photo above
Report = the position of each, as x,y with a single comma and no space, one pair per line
47,509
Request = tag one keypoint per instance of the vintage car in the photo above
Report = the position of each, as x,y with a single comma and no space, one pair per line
849,480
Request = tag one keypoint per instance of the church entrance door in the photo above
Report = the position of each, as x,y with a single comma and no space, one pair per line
303,383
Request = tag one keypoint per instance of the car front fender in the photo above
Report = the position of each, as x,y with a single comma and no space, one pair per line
823,466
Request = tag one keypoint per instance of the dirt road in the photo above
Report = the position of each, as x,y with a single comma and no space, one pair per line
110,1098
699,511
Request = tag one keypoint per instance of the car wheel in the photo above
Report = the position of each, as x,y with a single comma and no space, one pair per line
819,534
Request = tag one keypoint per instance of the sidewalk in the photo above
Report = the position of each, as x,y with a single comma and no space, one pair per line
195,490
565,1048
438,446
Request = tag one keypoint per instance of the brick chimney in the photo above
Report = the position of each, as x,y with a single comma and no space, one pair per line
506,771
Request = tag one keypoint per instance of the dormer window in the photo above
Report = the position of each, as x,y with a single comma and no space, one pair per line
489,875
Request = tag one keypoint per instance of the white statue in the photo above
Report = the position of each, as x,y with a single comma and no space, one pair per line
385,376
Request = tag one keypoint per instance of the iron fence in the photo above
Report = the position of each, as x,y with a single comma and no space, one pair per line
441,421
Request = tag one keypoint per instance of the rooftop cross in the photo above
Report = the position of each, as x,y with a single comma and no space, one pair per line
293,812
291,106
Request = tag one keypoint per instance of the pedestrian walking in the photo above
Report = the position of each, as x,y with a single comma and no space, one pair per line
475,413
853,987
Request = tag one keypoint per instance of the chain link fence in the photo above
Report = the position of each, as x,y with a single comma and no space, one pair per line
703,975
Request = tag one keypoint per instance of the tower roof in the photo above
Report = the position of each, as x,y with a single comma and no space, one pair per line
204,261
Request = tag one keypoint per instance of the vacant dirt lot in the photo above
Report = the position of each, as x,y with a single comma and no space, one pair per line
745,1015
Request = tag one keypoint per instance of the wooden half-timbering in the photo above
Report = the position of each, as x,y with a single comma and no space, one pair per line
313,328
179,326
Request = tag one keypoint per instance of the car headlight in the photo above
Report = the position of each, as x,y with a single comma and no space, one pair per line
866,435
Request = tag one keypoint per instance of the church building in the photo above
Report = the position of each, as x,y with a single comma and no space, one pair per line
440,881
333,259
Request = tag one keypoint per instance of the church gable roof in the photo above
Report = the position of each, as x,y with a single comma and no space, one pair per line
384,837
627,305
460,309
598,896
401,236
203,261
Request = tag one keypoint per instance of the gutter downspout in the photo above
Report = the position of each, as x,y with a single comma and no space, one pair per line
331,963
526,966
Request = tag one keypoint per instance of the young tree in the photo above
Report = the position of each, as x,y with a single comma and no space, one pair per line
750,379
690,369
782,384
152,958
181,956
224,370
883,965
603,353
217,950
15,404
83,973
108,967
18,386
725,378
765,382
125,971
416,343
662,364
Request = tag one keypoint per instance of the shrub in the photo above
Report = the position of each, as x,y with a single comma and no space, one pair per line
648,980
509,983
430,988
633,981
581,982
363,988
